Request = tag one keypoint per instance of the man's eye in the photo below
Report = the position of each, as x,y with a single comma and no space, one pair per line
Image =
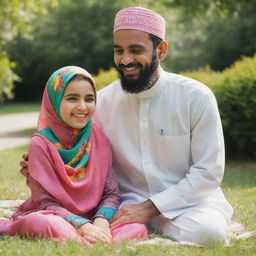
117,51
137,51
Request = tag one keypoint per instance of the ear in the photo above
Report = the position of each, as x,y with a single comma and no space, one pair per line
162,49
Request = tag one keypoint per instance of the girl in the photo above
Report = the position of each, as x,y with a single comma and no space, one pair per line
74,192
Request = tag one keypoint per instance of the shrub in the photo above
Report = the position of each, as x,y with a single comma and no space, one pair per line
235,90
7,77
211,78
105,78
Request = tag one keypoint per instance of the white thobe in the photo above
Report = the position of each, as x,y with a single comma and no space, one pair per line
167,144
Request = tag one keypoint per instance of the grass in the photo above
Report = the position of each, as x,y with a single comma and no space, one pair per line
9,108
239,186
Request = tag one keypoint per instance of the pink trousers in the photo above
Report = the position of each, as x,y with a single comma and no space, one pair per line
44,224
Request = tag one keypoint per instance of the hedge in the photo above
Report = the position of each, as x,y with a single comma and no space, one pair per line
235,90
105,78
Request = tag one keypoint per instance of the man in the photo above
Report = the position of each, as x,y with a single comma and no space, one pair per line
166,135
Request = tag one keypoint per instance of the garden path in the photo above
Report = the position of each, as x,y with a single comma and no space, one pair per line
13,129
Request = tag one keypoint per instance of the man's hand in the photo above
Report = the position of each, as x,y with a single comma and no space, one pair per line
24,165
140,213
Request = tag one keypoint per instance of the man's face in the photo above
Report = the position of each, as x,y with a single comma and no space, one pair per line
135,59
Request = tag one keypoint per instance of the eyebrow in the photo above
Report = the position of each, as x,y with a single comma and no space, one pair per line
90,95
131,46
75,95
136,46
71,94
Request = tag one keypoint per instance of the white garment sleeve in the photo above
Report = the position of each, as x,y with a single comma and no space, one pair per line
207,153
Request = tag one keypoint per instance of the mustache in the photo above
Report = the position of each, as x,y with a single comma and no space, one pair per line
130,65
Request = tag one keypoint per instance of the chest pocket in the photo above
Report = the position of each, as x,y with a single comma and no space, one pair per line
173,153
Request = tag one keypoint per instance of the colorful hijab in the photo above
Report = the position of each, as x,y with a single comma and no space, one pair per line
72,144
76,162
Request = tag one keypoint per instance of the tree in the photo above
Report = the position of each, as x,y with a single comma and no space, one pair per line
79,33
14,15
230,37
72,34
214,32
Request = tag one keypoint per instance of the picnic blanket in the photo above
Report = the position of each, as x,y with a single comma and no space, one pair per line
7,208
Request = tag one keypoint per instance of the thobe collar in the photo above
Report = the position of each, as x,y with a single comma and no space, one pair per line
155,89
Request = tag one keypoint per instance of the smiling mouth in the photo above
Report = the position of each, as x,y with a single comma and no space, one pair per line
130,71
129,68
80,115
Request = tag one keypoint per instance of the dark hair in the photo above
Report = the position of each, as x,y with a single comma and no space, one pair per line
78,77
155,40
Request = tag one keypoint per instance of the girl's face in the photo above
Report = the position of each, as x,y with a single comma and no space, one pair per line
77,104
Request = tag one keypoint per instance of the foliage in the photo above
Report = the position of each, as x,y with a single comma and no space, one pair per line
198,7
229,38
238,185
207,76
235,90
216,33
200,32
14,17
85,40
7,77
57,40
237,101
105,78
186,41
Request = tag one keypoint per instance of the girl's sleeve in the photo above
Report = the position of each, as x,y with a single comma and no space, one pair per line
110,199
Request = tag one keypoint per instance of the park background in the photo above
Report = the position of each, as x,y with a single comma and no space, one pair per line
213,41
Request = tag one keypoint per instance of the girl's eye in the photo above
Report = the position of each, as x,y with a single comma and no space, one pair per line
89,100
71,99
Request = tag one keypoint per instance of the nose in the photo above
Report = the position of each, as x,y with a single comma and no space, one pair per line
82,105
126,59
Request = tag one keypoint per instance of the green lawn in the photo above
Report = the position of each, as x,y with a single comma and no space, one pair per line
8,108
239,186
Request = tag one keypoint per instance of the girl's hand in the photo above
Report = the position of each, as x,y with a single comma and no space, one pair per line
87,240
94,231
102,223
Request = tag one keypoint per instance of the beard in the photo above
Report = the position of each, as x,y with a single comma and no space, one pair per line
144,81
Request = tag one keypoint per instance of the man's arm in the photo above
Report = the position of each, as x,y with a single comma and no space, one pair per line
207,167
203,177
24,165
